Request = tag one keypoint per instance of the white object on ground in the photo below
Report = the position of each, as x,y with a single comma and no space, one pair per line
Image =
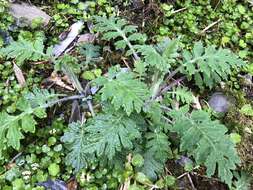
73,33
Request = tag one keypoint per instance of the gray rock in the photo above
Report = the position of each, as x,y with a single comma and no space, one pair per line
53,185
6,37
183,160
219,102
24,14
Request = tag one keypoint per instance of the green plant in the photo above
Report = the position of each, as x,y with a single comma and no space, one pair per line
54,169
243,181
131,93
133,119
5,18
124,90
209,66
23,50
114,27
206,141
32,105
247,110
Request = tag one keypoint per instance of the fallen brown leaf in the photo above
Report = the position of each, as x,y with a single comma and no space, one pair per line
19,75
57,80
10,165
72,184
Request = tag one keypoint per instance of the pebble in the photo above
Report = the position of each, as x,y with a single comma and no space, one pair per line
219,102
6,37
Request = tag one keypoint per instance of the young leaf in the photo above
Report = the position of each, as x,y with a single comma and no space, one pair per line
152,57
90,52
159,145
117,28
152,167
124,91
181,94
75,139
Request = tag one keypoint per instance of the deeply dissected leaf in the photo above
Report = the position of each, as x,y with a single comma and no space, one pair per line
14,135
39,97
242,181
206,141
124,91
90,52
104,135
209,65
159,145
152,166
76,140
12,126
23,50
157,151
160,56
152,57
118,29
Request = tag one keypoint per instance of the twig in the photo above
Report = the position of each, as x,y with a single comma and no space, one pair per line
173,73
91,108
217,4
190,179
39,62
75,97
178,10
165,108
182,175
15,157
210,26
125,62
71,98
168,171
167,119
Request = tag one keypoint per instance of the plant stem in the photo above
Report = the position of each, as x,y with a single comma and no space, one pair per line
171,85
64,99
173,73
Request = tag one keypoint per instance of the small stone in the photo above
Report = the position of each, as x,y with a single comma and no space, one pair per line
6,37
24,14
219,102
183,160
53,185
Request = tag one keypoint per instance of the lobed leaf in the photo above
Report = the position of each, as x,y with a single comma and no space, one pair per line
24,50
209,65
124,91
105,135
206,141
